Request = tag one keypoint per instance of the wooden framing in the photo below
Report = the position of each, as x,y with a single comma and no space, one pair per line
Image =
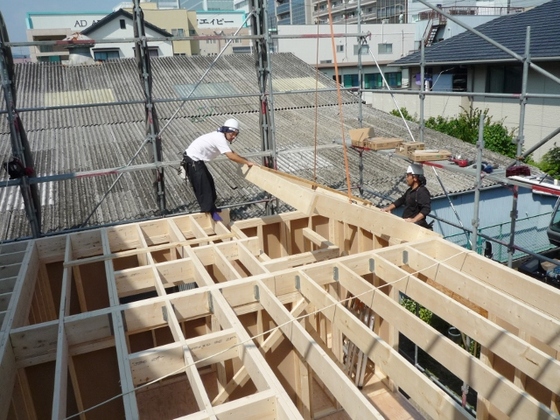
187,318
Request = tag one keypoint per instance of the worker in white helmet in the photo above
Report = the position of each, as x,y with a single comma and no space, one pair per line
203,149
416,199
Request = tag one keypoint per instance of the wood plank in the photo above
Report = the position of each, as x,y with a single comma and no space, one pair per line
540,325
61,371
487,382
353,401
301,259
126,383
15,316
508,346
436,403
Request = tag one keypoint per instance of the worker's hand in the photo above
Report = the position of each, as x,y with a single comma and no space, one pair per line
409,220
386,209
250,164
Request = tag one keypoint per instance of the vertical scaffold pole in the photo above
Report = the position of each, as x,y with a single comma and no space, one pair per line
153,137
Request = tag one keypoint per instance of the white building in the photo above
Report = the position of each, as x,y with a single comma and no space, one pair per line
55,27
383,43
119,25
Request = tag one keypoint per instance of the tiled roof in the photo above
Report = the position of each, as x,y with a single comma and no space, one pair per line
101,137
509,31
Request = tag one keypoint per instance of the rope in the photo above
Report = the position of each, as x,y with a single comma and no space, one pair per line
344,147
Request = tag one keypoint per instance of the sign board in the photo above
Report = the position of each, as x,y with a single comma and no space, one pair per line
76,22
220,19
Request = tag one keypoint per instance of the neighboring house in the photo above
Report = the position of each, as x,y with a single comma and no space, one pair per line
119,25
468,63
179,22
43,26
386,42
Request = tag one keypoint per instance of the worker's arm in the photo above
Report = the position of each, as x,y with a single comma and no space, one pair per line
395,204
238,159
389,208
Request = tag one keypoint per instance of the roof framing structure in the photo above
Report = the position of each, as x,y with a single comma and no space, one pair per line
183,317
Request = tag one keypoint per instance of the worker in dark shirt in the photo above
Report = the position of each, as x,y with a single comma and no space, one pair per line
416,199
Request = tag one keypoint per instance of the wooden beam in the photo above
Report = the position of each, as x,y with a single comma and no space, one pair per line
353,401
126,383
436,403
242,376
61,371
529,359
15,316
487,382
260,372
301,259
539,324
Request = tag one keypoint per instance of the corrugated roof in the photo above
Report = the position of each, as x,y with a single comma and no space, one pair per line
85,139
509,31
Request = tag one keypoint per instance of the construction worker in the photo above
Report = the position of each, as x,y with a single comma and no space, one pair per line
416,199
203,149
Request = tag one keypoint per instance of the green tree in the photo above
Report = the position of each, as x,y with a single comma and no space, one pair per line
550,162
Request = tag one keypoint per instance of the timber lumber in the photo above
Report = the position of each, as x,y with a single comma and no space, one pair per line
310,198
250,320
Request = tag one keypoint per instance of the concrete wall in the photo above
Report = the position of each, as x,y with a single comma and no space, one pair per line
307,49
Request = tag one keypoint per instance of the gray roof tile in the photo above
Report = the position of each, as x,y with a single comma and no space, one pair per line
85,139
509,30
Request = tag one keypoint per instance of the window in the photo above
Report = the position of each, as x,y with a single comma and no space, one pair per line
340,48
122,23
105,55
375,81
504,79
154,52
364,48
242,50
350,80
179,32
384,48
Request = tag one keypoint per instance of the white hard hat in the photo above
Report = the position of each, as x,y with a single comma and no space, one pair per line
415,169
231,125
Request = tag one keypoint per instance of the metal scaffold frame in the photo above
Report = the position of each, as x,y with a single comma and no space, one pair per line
262,39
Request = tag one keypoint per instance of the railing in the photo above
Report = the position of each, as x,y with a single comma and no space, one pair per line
530,234
468,10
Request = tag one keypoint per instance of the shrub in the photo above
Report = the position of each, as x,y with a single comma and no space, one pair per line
465,127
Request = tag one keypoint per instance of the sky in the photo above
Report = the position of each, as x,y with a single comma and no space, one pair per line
15,12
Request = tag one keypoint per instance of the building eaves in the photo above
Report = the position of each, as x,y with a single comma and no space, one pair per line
509,31
123,13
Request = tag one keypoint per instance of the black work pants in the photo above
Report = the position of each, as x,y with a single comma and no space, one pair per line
202,183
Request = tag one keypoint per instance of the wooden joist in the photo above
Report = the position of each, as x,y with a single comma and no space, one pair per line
266,319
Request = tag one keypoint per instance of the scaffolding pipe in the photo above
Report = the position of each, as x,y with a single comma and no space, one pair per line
142,55
520,137
21,150
422,95
479,149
